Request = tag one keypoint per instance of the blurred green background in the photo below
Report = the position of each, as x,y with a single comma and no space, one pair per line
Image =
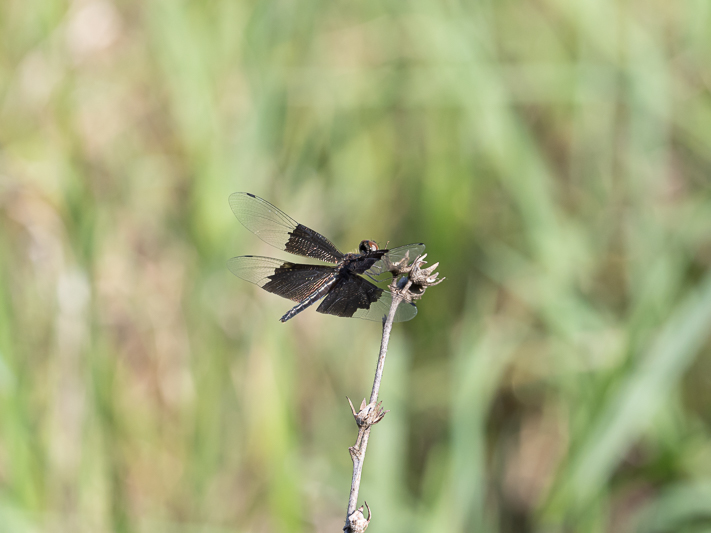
554,156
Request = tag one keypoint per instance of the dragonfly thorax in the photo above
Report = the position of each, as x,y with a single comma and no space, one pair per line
359,263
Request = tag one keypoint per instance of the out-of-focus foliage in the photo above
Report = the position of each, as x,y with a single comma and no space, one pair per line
554,156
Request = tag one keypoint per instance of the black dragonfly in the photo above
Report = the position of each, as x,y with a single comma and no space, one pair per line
344,292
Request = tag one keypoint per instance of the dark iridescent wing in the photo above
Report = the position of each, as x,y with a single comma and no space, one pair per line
277,228
395,255
289,280
356,297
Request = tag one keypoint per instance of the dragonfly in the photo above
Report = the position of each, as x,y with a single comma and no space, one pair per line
341,286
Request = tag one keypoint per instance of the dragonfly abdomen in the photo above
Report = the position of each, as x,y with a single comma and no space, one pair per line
310,300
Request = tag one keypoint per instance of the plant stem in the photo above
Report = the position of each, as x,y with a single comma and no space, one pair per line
358,450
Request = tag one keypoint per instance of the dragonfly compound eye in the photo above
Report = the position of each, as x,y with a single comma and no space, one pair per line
367,246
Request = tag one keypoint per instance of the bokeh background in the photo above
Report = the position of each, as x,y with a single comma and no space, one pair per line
554,156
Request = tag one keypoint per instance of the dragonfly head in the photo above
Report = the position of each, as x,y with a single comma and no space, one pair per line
367,246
